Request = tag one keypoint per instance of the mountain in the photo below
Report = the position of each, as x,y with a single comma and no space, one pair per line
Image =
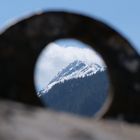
76,69
78,88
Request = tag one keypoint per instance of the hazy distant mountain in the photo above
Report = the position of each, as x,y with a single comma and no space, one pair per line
79,88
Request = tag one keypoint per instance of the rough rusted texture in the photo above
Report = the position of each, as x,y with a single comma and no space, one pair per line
19,123
21,44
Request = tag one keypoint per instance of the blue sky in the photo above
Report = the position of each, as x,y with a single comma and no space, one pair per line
71,42
121,14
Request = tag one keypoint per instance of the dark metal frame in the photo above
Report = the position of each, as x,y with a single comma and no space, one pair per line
21,44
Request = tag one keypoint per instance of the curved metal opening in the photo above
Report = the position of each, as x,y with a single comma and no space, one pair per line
21,44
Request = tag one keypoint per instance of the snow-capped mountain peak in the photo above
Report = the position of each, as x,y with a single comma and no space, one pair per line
76,69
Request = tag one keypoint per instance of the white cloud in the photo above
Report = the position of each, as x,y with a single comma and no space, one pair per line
55,57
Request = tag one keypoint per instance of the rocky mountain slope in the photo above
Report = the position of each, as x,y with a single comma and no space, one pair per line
79,88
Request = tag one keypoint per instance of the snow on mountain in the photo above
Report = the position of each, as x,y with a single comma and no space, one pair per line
76,69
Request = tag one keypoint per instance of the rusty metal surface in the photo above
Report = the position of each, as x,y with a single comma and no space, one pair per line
21,44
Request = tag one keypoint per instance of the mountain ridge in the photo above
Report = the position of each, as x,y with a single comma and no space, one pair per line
76,69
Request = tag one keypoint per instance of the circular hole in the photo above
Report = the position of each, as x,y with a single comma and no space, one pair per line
72,77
